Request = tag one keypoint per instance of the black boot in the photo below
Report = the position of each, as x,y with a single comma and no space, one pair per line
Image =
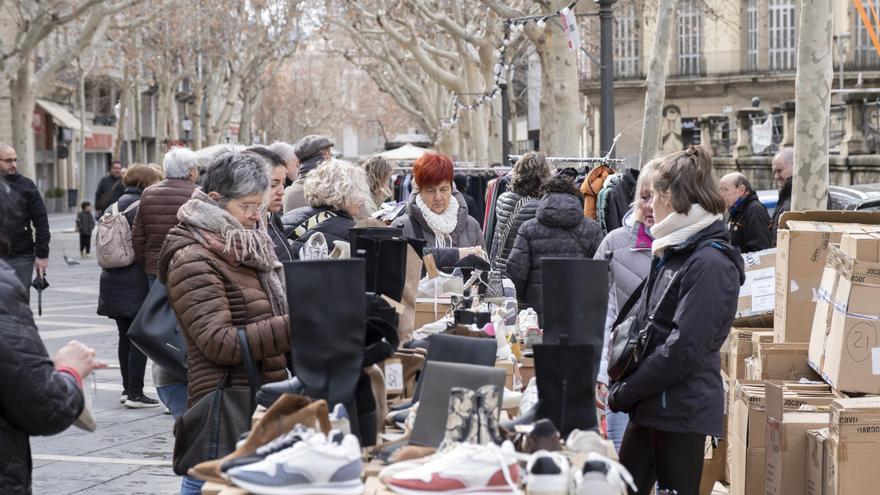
575,300
566,376
327,302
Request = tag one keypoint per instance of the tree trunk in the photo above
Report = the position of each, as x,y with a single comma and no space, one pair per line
82,132
162,112
124,97
655,95
244,129
138,123
561,118
23,98
813,103
198,98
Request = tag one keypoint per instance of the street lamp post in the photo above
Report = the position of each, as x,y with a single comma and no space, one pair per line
606,60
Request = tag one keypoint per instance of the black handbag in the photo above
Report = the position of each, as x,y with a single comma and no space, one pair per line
629,338
210,428
156,332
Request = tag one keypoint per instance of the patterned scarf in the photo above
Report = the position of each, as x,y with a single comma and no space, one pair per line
220,232
443,224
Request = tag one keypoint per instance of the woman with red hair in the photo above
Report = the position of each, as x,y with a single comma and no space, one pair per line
437,213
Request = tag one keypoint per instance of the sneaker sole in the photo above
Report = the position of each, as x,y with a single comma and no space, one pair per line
139,405
354,487
123,399
463,491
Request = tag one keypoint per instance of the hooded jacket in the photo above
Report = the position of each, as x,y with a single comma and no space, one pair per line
629,261
467,231
559,229
504,210
157,213
749,224
591,187
122,290
35,399
27,216
692,292
335,227
213,296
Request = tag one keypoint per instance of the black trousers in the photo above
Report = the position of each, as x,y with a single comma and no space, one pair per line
674,461
85,243
132,362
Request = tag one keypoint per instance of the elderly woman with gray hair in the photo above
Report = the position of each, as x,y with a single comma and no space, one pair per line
222,274
336,191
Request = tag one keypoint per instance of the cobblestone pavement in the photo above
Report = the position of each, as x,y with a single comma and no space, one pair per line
131,450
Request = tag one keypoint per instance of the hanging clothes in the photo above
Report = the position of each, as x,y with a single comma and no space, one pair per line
591,187
620,199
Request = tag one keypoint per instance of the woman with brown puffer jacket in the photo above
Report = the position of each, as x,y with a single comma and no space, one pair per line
222,274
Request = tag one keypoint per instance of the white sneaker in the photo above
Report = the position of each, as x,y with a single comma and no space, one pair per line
527,319
548,474
602,476
504,351
510,399
317,464
466,468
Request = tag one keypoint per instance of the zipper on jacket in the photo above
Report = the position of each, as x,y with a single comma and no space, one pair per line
663,399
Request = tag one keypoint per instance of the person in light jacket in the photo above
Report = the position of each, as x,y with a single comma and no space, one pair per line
675,397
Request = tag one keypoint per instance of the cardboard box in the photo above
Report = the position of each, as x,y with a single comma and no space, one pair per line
773,361
741,347
845,345
745,438
802,246
785,434
853,446
429,312
757,295
815,466
714,463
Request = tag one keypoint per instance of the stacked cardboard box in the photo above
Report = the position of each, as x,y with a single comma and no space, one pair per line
816,461
745,439
775,361
757,294
853,447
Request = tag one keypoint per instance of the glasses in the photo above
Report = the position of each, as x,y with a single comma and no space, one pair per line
250,209
9,160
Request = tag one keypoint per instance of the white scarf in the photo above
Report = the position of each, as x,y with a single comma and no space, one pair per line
679,227
443,224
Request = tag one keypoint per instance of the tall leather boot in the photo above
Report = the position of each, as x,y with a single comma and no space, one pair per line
327,301
575,300
566,376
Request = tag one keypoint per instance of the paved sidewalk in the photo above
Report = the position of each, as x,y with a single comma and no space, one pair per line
130,453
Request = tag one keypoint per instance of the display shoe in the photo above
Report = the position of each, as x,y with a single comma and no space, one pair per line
462,422
339,420
602,476
544,436
510,399
315,465
327,327
283,442
412,367
456,349
270,392
282,417
587,442
467,468
315,248
526,320
533,336
494,287
407,320
566,377
487,415
501,337
571,307
548,474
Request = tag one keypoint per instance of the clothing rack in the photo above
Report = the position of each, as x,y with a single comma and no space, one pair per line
553,160
464,168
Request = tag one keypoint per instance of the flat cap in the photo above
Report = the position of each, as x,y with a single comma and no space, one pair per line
311,145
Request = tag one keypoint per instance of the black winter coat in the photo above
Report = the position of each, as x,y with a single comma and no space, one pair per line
783,204
749,225
122,291
34,398
554,232
279,235
677,388
334,228
28,215
110,189
503,212
620,199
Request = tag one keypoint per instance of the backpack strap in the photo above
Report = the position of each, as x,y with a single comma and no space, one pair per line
130,207
312,222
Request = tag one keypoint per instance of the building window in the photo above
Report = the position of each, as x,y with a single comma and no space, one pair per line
626,43
690,34
783,37
865,56
752,18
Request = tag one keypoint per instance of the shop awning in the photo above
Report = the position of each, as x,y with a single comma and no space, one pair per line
62,117
404,153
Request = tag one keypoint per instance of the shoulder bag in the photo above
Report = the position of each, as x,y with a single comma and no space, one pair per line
156,332
210,428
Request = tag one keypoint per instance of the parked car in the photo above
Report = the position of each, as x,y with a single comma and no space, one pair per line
861,197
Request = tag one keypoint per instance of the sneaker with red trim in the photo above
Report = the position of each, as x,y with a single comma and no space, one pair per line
466,468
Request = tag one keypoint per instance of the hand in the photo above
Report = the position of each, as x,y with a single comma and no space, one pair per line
79,357
614,397
41,264
467,251
601,395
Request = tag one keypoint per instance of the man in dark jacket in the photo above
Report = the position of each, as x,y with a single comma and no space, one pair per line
783,164
749,222
157,212
27,214
311,151
110,188
37,396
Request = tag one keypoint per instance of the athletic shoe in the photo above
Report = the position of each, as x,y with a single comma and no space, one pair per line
544,437
602,476
140,401
534,335
526,320
283,442
123,397
548,474
466,468
339,419
167,411
313,465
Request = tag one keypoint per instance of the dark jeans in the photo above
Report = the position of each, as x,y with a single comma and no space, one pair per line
24,270
85,243
132,362
674,461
